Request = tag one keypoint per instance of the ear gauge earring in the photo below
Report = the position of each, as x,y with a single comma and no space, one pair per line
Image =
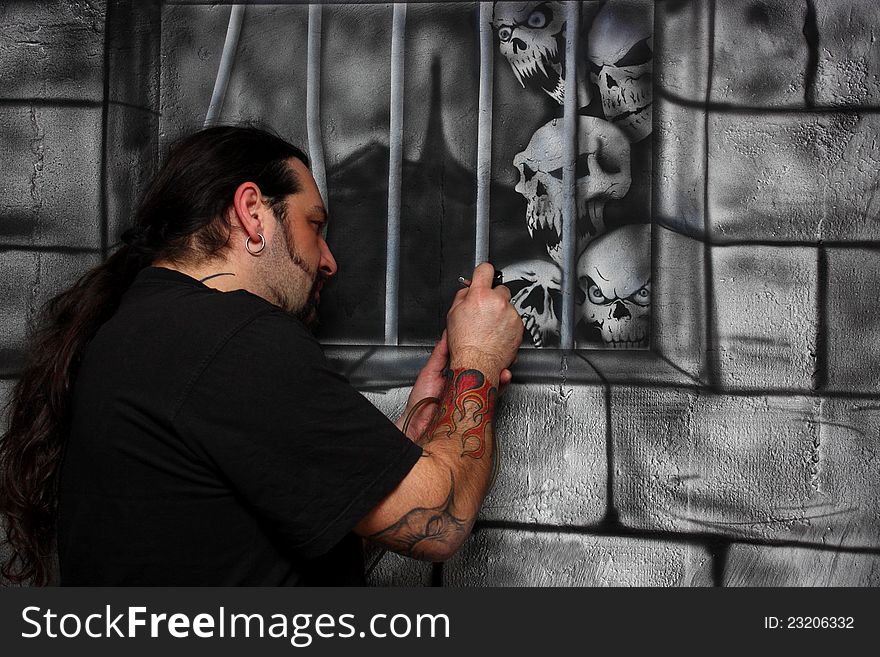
258,250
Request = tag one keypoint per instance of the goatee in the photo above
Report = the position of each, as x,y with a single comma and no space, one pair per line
308,314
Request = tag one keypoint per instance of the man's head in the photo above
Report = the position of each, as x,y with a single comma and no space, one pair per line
294,264
243,199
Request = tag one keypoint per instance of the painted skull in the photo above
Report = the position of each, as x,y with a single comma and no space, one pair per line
621,42
536,293
602,171
615,274
532,38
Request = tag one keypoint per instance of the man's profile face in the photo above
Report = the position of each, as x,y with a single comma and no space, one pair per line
297,259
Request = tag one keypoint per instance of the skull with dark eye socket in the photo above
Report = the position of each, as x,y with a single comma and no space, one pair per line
536,293
530,36
621,57
602,174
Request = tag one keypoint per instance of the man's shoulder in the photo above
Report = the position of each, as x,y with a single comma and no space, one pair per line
276,332
175,302
168,319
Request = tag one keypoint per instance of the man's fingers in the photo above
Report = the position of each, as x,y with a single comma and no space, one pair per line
504,380
438,358
483,275
458,298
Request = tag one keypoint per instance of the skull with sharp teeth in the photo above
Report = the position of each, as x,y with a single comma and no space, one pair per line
602,172
532,38
620,49
615,273
536,293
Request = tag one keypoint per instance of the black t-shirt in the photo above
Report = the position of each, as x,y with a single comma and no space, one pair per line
212,444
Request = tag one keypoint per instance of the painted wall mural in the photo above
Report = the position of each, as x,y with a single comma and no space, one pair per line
739,450
440,57
613,82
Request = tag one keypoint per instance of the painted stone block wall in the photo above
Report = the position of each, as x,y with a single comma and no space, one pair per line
740,449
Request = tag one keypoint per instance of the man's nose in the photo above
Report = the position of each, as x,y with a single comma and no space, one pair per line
328,262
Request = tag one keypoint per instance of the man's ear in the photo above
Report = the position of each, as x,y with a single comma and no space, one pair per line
246,209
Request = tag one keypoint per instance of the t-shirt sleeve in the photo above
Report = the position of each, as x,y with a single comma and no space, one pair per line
302,448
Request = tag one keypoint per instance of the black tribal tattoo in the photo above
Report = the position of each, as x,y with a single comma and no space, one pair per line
207,278
422,525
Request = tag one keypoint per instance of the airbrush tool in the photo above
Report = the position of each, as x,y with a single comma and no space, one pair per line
497,279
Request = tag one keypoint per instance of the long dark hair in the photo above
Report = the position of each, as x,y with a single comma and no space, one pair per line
182,218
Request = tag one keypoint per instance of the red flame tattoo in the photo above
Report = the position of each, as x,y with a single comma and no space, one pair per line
468,411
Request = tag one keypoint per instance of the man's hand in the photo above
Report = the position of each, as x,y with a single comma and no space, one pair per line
430,383
484,333
484,329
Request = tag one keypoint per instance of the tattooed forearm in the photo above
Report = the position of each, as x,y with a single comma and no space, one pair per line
420,530
466,412
454,447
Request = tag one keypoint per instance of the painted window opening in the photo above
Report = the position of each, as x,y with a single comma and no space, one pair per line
474,166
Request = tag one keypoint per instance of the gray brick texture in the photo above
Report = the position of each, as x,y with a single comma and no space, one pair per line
52,50
853,325
50,195
522,558
27,281
765,317
767,468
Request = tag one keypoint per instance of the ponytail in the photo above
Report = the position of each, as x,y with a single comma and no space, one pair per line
39,411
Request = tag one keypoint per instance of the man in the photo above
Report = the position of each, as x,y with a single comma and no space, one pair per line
209,442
